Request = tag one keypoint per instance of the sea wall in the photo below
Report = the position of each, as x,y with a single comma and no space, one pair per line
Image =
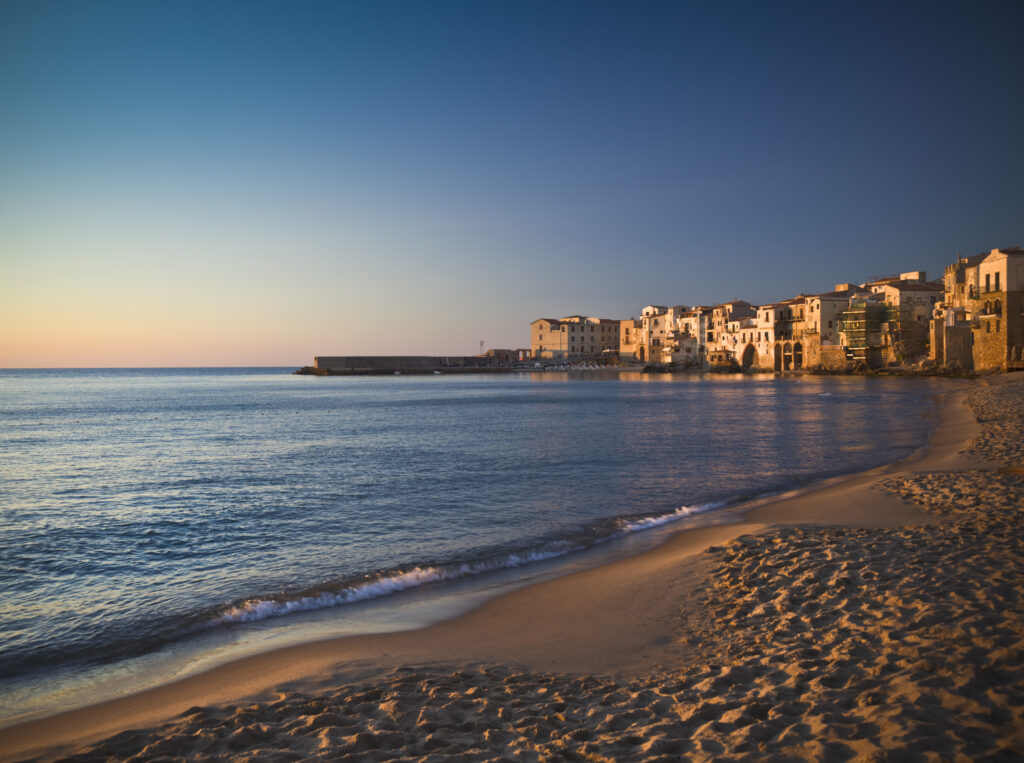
383,364
832,359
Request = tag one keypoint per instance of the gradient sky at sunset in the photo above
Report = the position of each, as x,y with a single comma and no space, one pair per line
253,183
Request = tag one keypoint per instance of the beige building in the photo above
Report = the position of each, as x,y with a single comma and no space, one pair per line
721,315
630,334
657,333
576,337
775,337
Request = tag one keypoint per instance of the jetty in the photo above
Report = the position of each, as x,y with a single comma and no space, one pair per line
368,365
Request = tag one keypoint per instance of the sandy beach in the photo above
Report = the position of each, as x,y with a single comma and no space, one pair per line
879,616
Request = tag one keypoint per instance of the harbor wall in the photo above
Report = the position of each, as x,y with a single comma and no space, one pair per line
384,364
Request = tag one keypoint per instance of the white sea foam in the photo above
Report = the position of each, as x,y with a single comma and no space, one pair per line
388,583
645,523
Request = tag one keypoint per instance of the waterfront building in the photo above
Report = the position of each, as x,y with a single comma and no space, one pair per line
693,326
979,325
659,337
777,336
721,315
630,331
654,323
819,336
735,343
575,337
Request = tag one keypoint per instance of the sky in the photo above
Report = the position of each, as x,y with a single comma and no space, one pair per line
256,183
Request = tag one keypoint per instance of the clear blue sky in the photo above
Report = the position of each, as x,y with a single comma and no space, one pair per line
258,182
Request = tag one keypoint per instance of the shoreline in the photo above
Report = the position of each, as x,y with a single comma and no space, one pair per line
616,620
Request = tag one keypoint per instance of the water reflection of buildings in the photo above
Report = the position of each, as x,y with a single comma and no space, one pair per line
972,319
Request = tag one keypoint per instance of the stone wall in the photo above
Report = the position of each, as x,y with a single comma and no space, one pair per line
989,349
832,358
936,344
958,347
385,363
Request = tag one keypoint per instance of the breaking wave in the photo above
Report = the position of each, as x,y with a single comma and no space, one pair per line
387,582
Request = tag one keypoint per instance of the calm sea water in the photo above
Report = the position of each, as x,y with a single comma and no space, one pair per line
155,512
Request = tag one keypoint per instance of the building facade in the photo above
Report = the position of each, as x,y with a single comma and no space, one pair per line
979,326
576,337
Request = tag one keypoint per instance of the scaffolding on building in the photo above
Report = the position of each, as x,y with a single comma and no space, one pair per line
877,332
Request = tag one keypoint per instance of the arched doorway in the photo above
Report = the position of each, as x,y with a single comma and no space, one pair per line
798,356
749,356
787,357
778,357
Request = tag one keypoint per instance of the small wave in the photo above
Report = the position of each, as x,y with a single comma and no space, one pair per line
645,523
388,582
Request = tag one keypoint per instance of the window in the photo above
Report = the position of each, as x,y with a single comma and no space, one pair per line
830,324
988,284
997,325
997,282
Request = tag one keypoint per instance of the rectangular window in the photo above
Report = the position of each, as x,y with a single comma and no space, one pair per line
997,282
988,282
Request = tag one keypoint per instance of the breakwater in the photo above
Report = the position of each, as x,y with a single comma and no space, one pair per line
361,365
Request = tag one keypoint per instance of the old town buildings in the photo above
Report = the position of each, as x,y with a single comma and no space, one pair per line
971,319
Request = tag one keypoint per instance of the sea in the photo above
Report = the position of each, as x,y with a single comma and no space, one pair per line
156,522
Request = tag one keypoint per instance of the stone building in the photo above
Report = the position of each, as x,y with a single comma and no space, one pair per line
980,323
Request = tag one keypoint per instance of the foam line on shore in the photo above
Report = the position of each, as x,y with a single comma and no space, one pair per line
387,582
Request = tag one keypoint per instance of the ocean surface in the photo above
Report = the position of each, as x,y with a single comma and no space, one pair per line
154,521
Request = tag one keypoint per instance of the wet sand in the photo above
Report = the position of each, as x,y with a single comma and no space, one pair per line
880,616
